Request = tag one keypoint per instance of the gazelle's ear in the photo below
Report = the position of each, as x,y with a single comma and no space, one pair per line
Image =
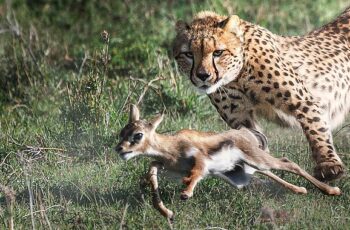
156,121
232,24
134,113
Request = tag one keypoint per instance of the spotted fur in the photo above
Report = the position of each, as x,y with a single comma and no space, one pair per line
248,71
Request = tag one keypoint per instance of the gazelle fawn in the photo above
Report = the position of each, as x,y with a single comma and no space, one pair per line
233,155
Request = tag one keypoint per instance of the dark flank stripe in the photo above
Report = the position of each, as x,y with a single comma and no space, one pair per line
220,145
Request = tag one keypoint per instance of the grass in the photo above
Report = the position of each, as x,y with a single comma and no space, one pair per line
64,93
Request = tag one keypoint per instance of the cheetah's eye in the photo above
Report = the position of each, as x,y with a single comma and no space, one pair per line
217,53
188,54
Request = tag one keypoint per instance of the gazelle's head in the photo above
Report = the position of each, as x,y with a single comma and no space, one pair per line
136,136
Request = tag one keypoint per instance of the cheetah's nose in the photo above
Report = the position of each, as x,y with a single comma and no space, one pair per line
203,76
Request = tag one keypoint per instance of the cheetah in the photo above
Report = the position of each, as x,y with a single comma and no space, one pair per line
247,71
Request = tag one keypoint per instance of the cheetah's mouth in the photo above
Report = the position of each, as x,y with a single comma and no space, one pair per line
211,88
207,89
205,86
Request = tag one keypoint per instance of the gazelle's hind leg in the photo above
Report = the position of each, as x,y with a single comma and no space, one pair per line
287,165
294,188
157,202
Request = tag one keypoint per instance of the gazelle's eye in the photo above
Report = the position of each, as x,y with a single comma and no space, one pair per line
188,54
137,137
217,53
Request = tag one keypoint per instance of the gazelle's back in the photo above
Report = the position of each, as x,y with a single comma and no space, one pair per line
212,140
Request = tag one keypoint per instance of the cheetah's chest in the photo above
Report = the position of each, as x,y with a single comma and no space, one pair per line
234,107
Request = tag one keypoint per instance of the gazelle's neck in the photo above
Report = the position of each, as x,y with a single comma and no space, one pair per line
163,147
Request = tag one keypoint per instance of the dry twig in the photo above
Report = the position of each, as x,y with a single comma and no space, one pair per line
122,221
26,170
345,126
86,56
45,209
148,85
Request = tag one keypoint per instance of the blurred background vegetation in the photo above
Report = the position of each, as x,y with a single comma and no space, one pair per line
64,95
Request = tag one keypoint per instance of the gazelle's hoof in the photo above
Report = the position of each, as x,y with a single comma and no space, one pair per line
301,190
184,196
329,170
334,191
171,217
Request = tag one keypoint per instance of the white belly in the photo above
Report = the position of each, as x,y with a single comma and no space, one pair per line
226,160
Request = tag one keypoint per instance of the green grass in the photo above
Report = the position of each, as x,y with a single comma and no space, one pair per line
73,110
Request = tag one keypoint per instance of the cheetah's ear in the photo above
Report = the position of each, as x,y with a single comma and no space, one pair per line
232,24
181,26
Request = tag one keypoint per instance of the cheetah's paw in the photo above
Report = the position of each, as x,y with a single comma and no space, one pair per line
329,170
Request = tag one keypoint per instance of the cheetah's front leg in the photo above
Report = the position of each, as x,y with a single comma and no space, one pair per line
316,128
299,103
283,90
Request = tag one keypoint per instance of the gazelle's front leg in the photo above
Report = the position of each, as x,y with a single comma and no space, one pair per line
157,202
192,180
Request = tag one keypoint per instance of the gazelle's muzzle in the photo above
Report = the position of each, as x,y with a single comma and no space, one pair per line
122,153
118,149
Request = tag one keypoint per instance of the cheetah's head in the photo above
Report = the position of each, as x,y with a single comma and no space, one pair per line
209,50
